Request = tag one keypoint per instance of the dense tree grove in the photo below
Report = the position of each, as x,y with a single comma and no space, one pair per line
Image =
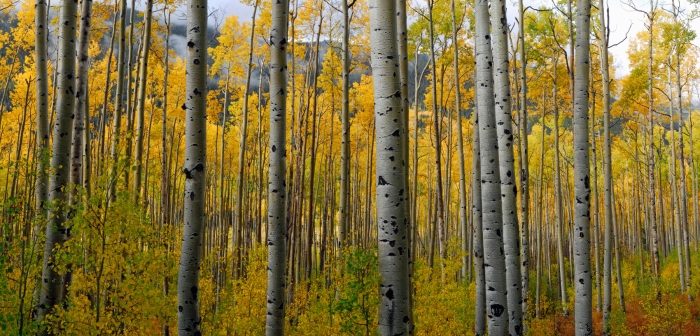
388,167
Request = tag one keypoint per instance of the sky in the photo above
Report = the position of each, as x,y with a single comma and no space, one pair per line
622,19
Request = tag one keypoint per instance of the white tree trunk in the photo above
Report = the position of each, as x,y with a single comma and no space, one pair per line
460,145
277,173
119,104
143,76
506,158
343,209
557,196
525,167
194,169
42,112
437,138
391,192
583,301
402,27
478,235
492,220
52,284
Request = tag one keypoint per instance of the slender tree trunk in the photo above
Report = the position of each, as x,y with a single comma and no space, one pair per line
494,260
276,210
525,166
596,205
540,198
116,130
129,93
107,89
583,312
558,196
460,146
42,112
607,179
194,169
310,227
676,211
240,216
478,235
52,284
620,281
438,150
684,190
392,222
402,27
165,171
694,178
143,76
651,149
343,213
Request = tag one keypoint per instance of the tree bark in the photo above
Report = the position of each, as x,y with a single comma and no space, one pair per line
583,311
478,235
53,285
277,173
391,188
506,158
558,196
189,319
525,166
119,98
42,112
143,76
494,261
650,151
460,145
438,147
343,213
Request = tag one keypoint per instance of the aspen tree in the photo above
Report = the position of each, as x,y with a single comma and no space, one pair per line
438,146
596,204
676,211
494,262
310,226
42,113
52,284
583,301
620,285
391,188
651,163
680,49
277,173
119,104
557,195
506,159
130,94
105,99
402,28
143,76
460,144
165,169
540,194
343,209
189,318
525,163
478,236
403,72
79,114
